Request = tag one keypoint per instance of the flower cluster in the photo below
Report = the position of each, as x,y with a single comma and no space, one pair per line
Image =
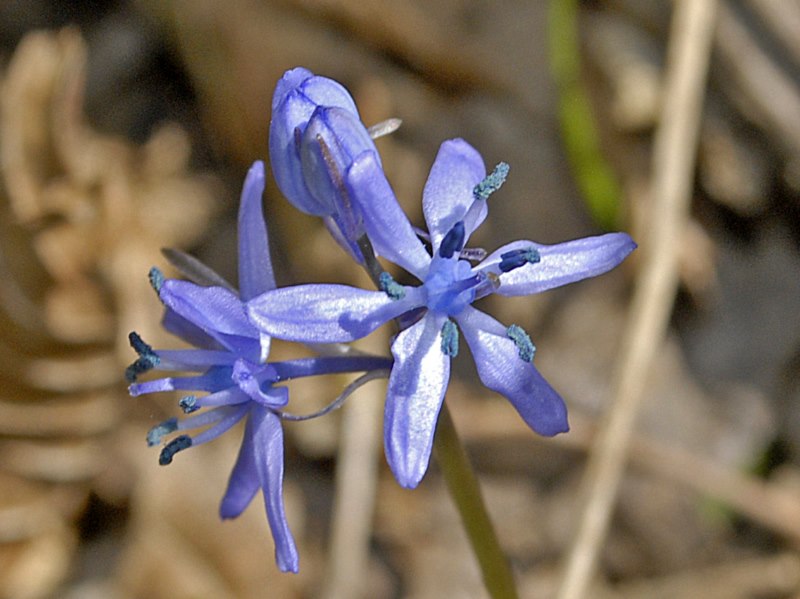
325,162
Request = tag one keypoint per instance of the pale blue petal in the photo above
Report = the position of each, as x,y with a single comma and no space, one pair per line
326,313
562,263
255,265
386,224
290,80
447,196
217,311
264,427
244,482
332,139
416,390
188,331
323,91
502,370
284,153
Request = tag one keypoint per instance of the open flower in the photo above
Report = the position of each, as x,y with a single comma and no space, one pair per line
235,382
454,204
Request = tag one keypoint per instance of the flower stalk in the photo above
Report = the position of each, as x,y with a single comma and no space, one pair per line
466,493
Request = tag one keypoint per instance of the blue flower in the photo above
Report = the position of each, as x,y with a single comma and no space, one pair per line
454,205
234,381
315,134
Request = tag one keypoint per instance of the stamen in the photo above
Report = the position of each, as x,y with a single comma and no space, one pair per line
391,287
384,128
189,404
492,182
525,346
490,283
159,431
156,279
450,339
516,258
147,360
298,138
473,254
173,447
453,242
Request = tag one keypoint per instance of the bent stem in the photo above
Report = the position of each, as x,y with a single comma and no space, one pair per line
463,486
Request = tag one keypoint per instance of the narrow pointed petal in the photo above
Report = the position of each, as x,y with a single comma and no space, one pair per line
326,313
216,311
244,481
387,226
188,331
562,263
501,369
264,427
416,390
255,264
332,139
447,196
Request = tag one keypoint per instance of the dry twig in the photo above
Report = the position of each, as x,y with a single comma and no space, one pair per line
674,150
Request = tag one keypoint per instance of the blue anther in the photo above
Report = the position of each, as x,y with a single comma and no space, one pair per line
492,182
173,447
188,404
159,431
391,287
516,258
453,242
525,346
156,279
450,339
147,360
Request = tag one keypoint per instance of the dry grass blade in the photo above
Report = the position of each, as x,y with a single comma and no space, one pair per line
676,139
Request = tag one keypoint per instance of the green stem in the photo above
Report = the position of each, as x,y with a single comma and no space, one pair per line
463,486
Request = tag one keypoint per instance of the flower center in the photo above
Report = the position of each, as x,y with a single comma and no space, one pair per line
450,285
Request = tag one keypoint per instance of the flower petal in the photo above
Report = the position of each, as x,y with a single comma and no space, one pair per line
562,263
243,483
386,224
326,313
416,390
320,90
447,196
217,311
264,428
188,331
255,265
502,370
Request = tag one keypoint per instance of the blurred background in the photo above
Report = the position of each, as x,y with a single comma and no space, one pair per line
128,126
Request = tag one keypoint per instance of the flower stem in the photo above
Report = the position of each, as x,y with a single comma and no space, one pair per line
463,486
